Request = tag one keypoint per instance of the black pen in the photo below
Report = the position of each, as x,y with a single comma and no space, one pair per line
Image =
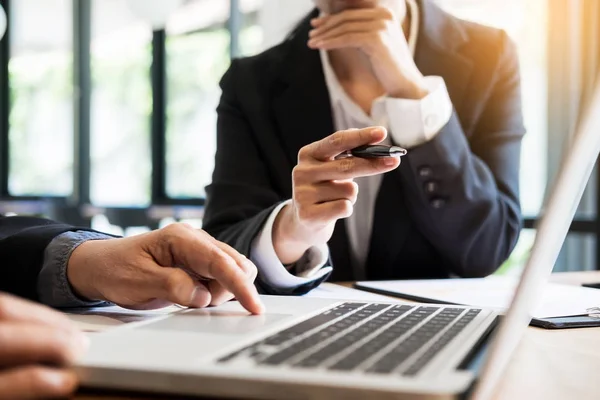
376,151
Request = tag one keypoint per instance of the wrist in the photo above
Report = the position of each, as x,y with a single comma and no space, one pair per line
411,90
79,272
288,242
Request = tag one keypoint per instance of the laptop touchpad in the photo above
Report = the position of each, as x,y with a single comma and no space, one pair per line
214,321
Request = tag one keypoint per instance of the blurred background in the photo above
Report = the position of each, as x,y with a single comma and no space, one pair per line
107,107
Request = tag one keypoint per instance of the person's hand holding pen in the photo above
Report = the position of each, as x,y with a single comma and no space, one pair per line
377,33
324,190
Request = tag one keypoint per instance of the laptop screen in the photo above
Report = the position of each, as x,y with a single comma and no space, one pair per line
558,214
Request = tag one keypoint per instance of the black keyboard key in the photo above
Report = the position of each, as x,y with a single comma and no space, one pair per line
233,355
376,307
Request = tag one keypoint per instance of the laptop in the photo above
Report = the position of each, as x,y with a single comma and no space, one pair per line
326,348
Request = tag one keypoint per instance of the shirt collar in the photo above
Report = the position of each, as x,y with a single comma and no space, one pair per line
336,91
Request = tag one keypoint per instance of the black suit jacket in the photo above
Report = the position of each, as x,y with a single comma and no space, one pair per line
22,244
277,102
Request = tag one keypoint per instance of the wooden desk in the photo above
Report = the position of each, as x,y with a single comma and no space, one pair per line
549,365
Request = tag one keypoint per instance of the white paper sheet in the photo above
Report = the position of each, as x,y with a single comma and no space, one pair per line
332,291
496,293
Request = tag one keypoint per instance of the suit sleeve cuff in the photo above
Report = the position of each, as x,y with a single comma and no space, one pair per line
414,122
311,267
53,285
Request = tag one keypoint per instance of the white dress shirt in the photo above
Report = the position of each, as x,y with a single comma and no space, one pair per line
409,122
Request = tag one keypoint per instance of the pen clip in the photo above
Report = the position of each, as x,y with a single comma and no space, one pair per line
346,154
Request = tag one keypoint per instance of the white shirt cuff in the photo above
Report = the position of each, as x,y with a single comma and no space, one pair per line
415,122
309,268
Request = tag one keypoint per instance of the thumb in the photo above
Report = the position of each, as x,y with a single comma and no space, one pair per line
177,286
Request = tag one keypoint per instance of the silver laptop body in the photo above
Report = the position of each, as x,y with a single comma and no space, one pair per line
322,348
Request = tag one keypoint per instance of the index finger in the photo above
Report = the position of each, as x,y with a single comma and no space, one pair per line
342,141
15,309
362,14
244,265
197,252
224,270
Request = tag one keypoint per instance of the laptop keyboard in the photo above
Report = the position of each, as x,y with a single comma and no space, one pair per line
373,338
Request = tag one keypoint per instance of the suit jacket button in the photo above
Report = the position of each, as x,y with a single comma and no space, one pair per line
430,121
431,187
438,203
425,172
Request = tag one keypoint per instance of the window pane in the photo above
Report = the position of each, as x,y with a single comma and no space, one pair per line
252,32
578,253
526,23
198,56
515,264
121,105
41,116
267,22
